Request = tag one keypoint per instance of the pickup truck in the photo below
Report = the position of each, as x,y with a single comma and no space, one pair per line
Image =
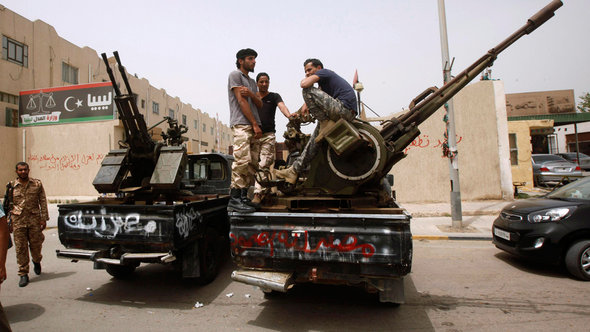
118,234
329,240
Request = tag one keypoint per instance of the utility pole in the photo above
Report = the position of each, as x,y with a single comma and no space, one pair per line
456,213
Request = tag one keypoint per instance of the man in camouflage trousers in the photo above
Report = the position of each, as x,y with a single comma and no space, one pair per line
270,102
335,99
29,215
245,124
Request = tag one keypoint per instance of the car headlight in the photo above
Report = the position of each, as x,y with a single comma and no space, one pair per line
554,214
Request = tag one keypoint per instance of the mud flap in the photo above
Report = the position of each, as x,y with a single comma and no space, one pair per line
390,290
191,264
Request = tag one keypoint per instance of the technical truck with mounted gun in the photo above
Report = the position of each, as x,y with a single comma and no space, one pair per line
340,224
161,205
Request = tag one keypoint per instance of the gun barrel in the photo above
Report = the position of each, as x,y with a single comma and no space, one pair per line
123,73
111,75
427,103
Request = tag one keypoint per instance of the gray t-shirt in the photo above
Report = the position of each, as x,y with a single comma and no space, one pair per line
236,117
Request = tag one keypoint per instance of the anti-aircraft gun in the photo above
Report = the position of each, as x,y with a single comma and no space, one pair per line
168,207
357,155
141,167
336,226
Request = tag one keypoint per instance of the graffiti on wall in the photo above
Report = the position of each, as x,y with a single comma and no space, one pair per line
300,242
72,161
424,141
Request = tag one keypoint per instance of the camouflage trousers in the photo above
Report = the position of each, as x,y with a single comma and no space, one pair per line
27,235
323,107
267,157
246,152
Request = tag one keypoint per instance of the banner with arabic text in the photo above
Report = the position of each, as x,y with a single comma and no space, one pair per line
75,103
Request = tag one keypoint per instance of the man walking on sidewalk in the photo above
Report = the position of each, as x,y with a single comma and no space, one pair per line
29,215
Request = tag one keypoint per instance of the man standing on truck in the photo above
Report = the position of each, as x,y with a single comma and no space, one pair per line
270,102
333,100
245,124
29,215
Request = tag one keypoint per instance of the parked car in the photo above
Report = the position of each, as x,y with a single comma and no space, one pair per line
573,157
554,228
549,168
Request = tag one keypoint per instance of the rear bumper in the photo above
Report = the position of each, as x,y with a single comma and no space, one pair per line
101,256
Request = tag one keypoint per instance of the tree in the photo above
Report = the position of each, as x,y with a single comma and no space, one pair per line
584,105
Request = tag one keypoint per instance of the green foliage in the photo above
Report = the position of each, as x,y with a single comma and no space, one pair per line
584,104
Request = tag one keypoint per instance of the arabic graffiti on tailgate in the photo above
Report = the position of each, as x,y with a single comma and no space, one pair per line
299,241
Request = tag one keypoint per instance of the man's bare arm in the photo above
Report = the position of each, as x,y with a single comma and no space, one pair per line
284,109
245,107
309,81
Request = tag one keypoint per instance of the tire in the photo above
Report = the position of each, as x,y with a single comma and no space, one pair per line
577,260
120,271
209,257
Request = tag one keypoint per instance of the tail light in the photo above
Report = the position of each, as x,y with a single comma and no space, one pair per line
544,169
578,168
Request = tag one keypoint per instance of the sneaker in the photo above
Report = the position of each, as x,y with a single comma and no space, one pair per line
288,174
24,280
37,268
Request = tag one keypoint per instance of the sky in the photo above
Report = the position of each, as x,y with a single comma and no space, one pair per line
188,47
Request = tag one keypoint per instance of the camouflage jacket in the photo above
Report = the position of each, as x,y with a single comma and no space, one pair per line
28,200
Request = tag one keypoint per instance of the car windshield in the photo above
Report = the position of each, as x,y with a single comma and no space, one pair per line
573,155
579,189
547,157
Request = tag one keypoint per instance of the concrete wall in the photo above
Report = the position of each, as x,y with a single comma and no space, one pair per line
9,148
483,159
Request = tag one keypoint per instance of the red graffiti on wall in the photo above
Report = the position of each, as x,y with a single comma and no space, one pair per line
423,141
290,240
73,161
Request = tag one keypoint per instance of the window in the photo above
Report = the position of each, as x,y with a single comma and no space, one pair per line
14,51
184,119
69,74
204,128
196,124
171,113
8,98
155,108
11,117
142,103
552,141
211,130
513,149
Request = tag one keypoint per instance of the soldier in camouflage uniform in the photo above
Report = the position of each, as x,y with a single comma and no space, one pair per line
245,125
29,217
335,99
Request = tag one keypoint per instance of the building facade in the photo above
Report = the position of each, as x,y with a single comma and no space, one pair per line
67,156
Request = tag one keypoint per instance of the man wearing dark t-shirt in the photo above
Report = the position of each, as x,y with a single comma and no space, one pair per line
270,102
333,100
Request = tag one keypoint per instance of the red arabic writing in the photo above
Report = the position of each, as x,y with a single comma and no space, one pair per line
423,141
290,241
66,161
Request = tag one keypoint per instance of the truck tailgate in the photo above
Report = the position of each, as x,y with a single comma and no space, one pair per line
368,239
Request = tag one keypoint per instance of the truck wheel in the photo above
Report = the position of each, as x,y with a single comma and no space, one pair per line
120,271
577,260
209,257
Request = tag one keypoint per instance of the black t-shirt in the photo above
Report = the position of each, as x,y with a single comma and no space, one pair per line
268,111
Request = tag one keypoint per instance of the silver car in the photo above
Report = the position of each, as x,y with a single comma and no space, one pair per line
573,157
549,168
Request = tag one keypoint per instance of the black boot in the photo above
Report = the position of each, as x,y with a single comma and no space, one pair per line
248,201
236,204
24,280
37,268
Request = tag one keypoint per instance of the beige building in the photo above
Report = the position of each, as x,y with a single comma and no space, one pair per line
67,156
482,142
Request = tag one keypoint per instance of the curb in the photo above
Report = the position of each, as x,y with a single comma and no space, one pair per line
452,238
